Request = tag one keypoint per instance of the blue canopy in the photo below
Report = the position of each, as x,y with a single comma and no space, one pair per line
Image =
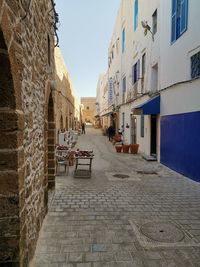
150,107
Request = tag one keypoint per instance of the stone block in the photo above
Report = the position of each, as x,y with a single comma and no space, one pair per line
9,227
9,252
8,160
51,163
9,182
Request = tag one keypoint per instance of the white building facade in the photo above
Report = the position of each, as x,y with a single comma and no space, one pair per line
133,69
153,80
180,84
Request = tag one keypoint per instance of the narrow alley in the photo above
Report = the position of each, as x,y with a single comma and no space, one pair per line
131,213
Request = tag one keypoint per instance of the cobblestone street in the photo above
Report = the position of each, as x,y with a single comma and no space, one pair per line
150,218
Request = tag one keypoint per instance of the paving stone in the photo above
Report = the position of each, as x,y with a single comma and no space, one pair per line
84,265
99,247
88,220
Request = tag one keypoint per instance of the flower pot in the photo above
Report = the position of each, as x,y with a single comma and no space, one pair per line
125,148
118,149
134,148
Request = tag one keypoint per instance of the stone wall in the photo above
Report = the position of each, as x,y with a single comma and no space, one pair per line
65,117
88,109
26,54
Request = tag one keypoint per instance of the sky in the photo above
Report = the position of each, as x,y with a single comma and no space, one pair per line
85,32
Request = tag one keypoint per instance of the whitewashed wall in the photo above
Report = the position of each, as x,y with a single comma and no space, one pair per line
176,57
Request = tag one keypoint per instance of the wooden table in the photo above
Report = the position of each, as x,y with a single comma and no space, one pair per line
83,161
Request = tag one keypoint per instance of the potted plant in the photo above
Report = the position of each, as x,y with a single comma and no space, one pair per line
118,148
125,148
134,148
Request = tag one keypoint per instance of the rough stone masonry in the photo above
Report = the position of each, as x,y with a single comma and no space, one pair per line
26,114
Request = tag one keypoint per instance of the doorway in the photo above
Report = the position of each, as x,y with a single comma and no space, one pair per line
133,129
11,164
153,135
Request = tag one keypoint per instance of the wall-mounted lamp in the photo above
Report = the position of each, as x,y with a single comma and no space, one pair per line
147,28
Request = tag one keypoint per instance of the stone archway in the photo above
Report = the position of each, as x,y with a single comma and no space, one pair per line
12,240
51,143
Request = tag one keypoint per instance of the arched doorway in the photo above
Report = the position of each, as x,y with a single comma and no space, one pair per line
12,242
51,143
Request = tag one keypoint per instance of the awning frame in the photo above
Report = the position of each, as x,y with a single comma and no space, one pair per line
149,107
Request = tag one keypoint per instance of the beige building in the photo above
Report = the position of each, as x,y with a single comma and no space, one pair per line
88,109
67,113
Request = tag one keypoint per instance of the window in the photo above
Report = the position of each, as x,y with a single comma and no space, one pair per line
135,14
143,64
124,84
88,108
179,18
143,71
154,78
154,22
123,40
195,65
123,89
142,126
117,46
123,121
135,72
49,50
113,47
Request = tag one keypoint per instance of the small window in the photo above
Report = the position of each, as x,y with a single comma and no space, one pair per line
88,107
113,48
154,22
117,46
143,64
49,50
123,40
135,15
142,126
136,72
195,65
124,84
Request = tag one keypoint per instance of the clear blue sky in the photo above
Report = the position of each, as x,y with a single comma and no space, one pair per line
85,31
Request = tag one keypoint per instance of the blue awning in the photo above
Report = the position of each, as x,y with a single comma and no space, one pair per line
150,107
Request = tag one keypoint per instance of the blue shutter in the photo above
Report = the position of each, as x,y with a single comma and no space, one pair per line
135,15
173,29
184,15
123,40
138,70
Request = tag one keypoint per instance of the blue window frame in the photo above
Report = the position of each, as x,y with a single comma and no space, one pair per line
135,14
123,40
179,18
